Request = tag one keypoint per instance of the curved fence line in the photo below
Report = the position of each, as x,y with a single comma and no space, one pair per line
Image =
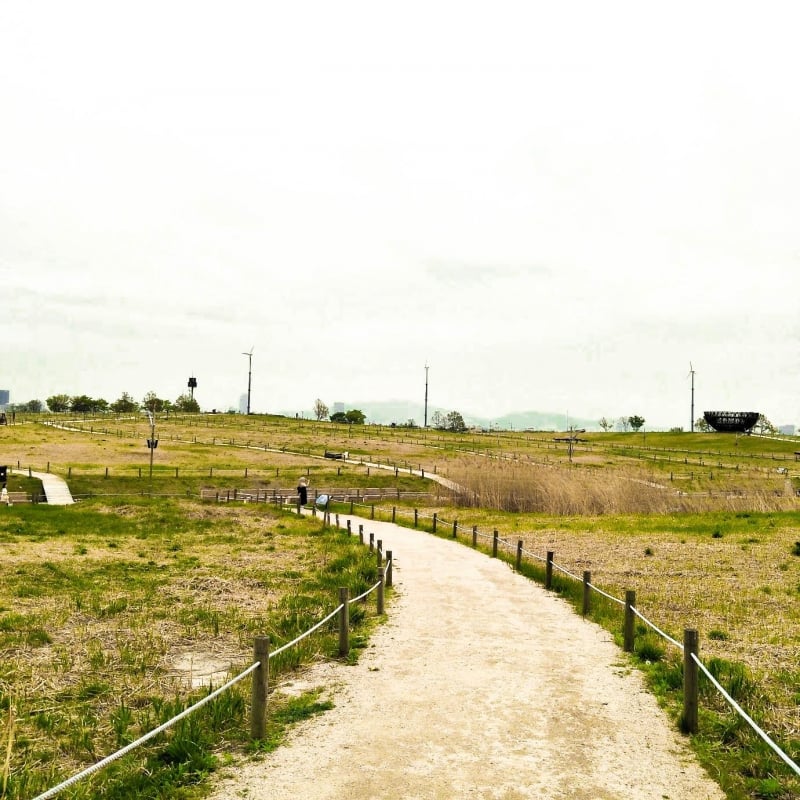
777,750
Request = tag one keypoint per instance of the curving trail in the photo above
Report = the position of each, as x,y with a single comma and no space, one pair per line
480,685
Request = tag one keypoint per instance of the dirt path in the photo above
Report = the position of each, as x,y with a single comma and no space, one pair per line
480,685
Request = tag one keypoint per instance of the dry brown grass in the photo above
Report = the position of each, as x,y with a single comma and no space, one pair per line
574,489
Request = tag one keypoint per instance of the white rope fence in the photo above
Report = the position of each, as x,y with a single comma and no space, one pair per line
141,740
777,750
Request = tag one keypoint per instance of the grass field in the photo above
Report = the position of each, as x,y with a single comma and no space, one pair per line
108,598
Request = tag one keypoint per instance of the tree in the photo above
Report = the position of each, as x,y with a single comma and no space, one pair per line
340,417
636,422
700,424
320,410
355,417
624,423
605,424
83,404
455,422
125,404
152,402
765,426
186,403
31,407
437,420
58,402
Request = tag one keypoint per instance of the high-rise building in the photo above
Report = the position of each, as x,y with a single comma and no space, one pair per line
5,398
338,408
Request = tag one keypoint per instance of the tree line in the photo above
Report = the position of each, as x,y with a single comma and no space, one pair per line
125,404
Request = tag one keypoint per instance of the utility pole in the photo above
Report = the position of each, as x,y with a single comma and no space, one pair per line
426,396
249,376
691,373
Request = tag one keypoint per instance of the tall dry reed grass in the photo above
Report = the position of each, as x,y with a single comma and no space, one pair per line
560,490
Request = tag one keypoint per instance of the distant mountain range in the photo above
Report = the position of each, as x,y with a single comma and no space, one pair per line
400,412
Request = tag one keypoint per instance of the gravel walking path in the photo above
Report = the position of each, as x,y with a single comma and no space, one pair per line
480,685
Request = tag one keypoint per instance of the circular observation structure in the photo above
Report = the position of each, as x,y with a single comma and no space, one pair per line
731,421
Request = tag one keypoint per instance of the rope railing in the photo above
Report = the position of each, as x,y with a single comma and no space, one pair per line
658,630
302,636
384,572
774,747
605,594
142,739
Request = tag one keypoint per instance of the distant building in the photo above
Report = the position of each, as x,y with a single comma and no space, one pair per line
787,430
338,408
5,398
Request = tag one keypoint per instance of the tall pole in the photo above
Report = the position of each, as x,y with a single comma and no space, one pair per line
426,396
249,376
691,372
152,446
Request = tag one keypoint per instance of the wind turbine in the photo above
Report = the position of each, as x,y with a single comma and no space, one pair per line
691,373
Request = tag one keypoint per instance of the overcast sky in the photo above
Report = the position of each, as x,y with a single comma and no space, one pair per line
556,205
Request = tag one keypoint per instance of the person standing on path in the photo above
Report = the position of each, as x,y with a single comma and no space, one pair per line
302,491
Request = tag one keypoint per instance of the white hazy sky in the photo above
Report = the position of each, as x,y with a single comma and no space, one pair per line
556,205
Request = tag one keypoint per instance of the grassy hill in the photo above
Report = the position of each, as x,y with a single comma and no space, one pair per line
106,602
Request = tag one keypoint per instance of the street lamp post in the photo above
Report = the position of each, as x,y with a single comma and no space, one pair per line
249,376
152,442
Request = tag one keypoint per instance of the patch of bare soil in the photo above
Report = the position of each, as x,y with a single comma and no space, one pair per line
480,685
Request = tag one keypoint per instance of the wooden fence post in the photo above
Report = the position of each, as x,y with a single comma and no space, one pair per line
351,505
379,551
344,621
519,555
434,521
349,527
388,567
371,542
690,681
361,534
587,591
629,633
380,591
372,511
394,513
258,712
416,517
494,543
548,572
474,535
